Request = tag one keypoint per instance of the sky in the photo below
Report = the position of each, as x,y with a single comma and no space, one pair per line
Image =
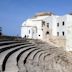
14,12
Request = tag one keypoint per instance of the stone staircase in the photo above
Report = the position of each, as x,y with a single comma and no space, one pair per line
32,56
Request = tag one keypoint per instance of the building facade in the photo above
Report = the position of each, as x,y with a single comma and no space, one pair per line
47,26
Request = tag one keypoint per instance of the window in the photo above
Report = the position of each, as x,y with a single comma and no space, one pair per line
43,23
47,32
63,23
48,25
57,33
63,33
39,35
29,31
57,24
42,29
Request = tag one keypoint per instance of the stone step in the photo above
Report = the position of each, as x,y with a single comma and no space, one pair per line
4,48
23,59
7,43
32,65
30,61
37,55
41,58
9,54
37,64
46,56
4,53
11,64
32,55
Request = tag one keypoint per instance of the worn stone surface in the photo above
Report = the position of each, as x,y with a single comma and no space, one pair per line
47,58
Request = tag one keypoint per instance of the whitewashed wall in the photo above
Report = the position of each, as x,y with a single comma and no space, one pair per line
61,27
54,25
35,25
69,33
25,31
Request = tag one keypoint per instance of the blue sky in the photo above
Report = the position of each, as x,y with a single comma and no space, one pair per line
14,12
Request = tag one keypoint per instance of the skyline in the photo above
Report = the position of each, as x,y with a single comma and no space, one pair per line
14,12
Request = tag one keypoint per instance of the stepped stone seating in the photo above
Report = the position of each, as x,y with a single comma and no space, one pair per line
6,47
7,42
3,54
23,59
17,55
11,44
32,64
7,51
41,58
9,54
34,54
37,55
39,51
11,62
4,50
31,57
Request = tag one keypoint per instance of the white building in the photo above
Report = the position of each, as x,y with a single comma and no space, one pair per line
47,25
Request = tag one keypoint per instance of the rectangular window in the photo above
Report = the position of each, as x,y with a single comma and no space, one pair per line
43,23
48,25
63,23
57,33
63,33
57,24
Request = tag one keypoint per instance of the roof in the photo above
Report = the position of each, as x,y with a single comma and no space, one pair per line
44,14
70,13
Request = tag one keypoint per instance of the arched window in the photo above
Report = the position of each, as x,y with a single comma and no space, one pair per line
29,31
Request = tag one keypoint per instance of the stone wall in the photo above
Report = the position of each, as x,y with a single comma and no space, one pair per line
57,41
